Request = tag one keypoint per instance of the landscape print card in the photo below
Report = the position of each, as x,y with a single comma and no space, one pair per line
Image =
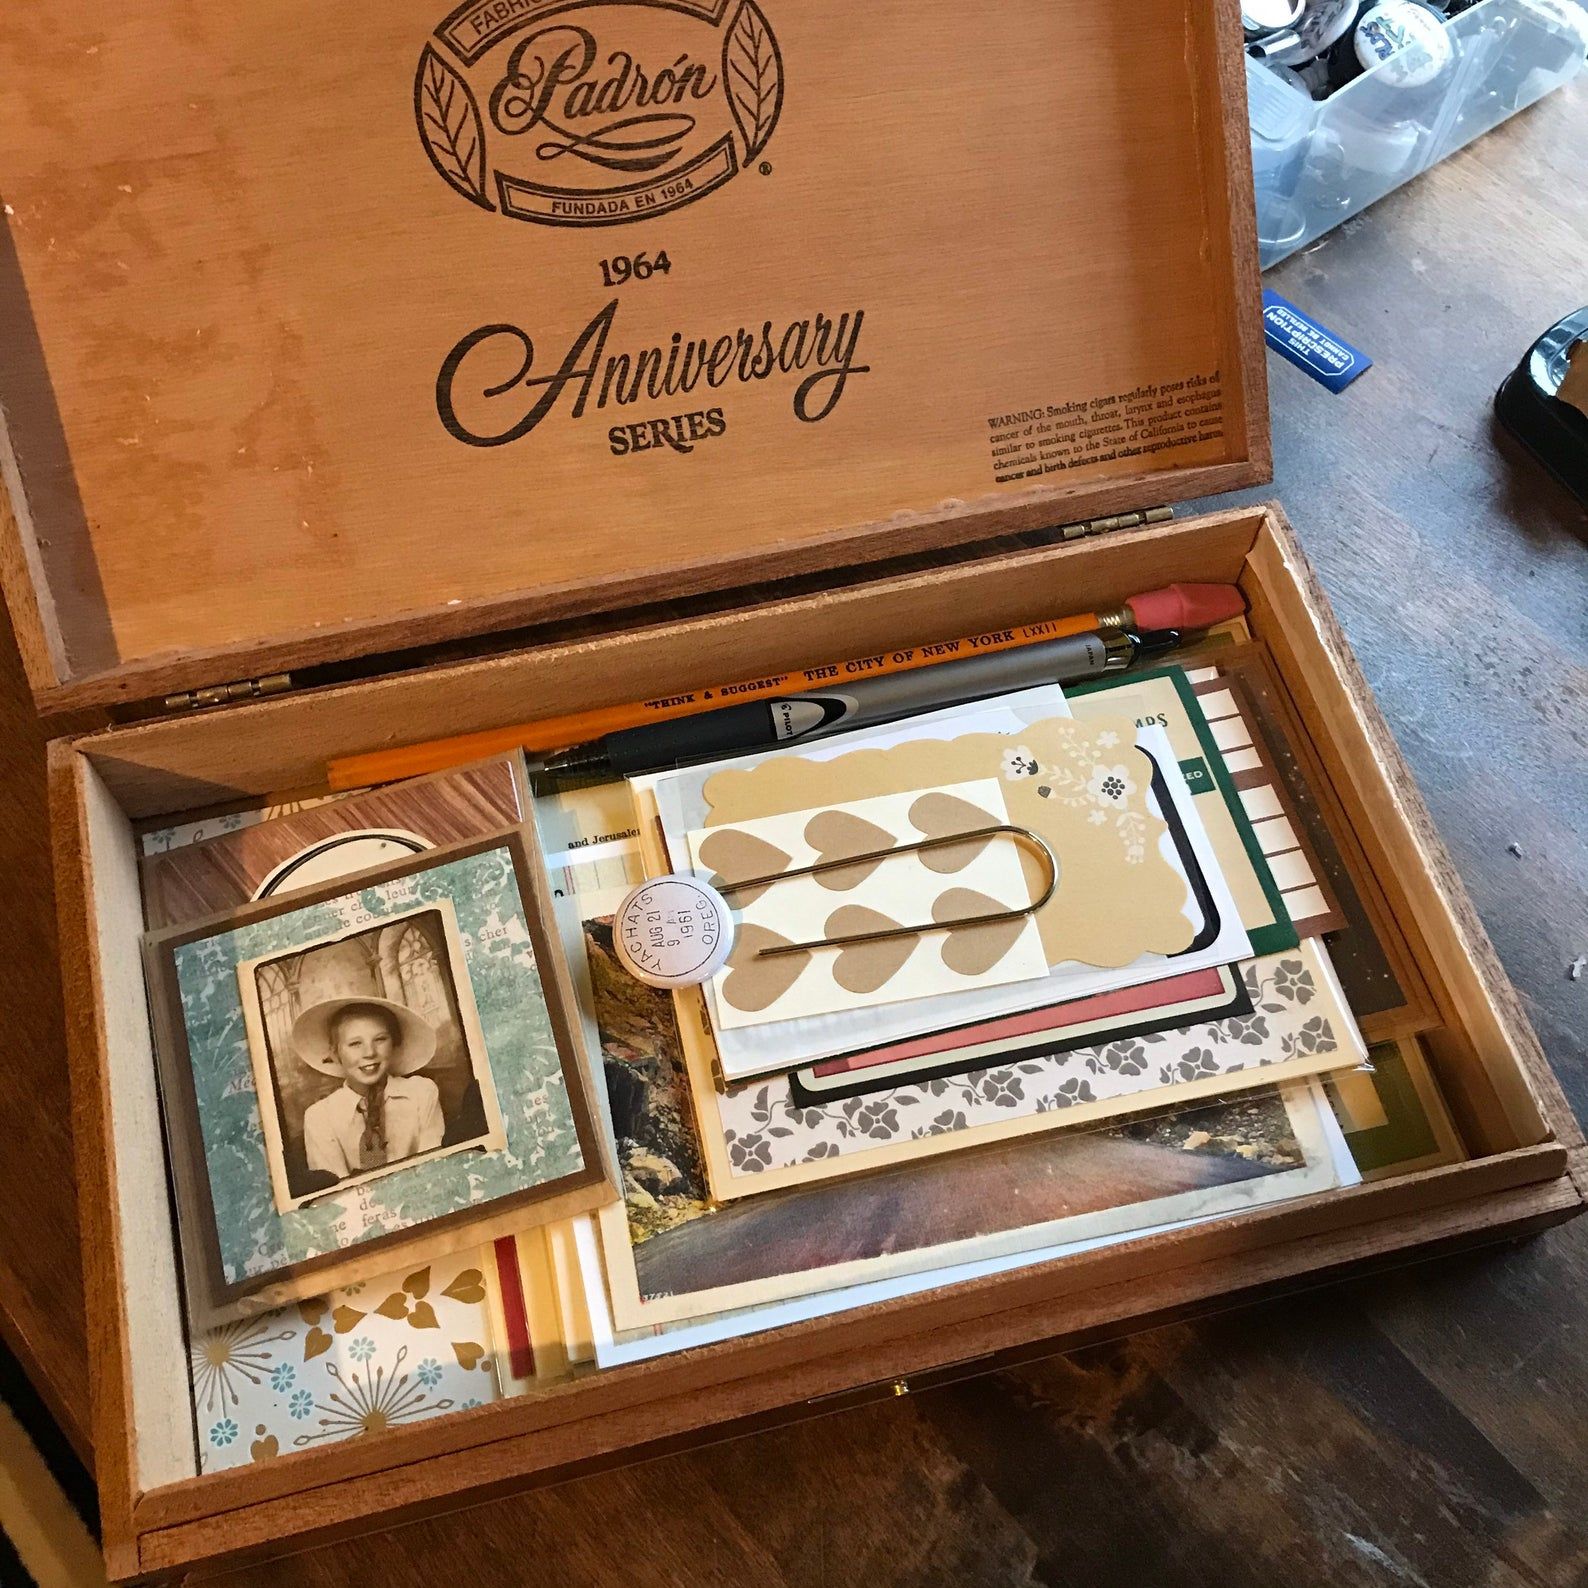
677,1323
674,1252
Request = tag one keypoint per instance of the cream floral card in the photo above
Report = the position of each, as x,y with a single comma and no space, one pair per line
914,887
757,1138
358,1361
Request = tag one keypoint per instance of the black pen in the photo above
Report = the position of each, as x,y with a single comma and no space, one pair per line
860,703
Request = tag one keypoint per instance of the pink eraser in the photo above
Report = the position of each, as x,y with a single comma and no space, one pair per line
1187,606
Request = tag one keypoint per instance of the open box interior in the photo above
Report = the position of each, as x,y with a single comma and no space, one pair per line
1486,1060
223,458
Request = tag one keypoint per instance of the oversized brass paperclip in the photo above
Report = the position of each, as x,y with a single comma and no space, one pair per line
942,841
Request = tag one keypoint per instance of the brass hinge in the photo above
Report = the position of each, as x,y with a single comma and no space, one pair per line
1099,526
226,694
862,1395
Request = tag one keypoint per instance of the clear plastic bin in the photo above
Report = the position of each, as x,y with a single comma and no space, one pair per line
1318,163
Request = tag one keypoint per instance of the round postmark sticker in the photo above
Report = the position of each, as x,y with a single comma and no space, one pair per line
673,931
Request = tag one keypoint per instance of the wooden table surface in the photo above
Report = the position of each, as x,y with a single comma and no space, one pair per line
1427,1428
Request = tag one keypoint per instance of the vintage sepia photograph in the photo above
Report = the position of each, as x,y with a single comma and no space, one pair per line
368,1055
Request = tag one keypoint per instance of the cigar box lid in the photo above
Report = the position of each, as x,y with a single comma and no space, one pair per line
329,333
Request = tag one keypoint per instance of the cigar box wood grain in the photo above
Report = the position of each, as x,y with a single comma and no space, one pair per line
22,578
1350,1438
865,1368
802,1391
903,1336
110,614
41,1297
206,758
136,1387
141,683
1526,1127
325,487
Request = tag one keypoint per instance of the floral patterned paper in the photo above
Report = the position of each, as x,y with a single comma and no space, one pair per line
1105,792
358,1361
763,1130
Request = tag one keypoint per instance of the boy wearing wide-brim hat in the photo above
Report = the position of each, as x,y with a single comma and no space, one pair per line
383,1112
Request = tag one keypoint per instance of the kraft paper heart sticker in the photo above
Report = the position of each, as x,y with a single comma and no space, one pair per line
864,967
468,1286
936,815
1100,826
974,950
732,854
752,983
834,834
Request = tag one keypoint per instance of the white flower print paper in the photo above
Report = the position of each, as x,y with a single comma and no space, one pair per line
756,1138
361,1360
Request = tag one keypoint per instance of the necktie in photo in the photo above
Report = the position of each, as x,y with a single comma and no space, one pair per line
372,1144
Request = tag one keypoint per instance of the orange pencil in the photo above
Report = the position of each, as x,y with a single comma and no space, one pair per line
1177,606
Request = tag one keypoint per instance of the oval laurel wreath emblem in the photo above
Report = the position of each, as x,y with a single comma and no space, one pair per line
582,113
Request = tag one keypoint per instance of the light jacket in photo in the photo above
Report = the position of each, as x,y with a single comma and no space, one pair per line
333,1126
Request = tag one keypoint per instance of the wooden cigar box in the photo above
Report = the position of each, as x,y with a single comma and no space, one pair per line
369,382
